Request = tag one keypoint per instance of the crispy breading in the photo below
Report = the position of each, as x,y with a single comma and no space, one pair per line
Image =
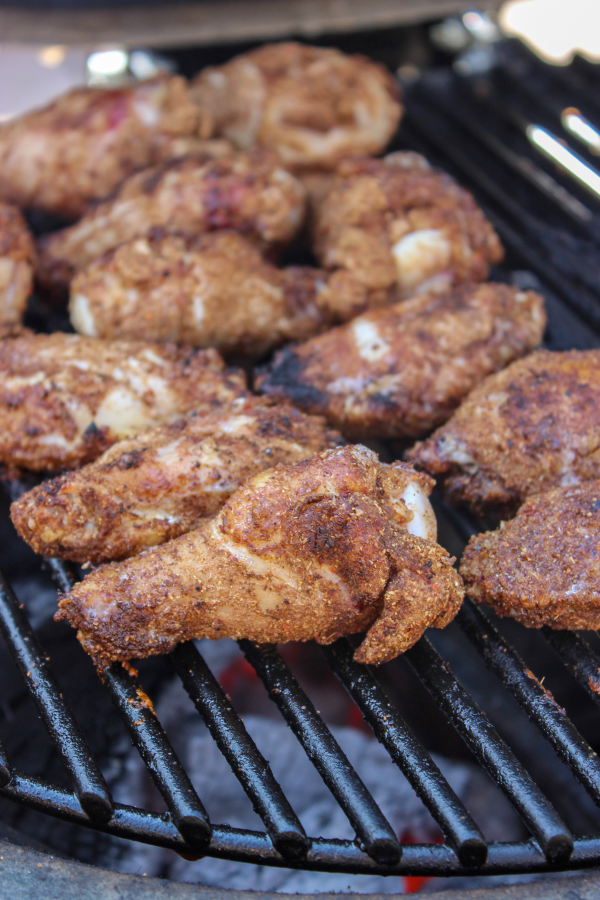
65,399
215,290
393,227
248,192
398,372
161,483
543,567
17,255
327,547
313,105
533,427
83,144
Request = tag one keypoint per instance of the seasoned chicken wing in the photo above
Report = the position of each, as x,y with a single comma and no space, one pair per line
398,372
543,567
312,105
215,290
159,484
393,227
333,545
64,399
248,192
17,255
533,427
82,145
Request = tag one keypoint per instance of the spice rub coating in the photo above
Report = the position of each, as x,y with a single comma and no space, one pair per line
533,427
542,567
248,192
17,256
400,371
148,489
313,105
312,551
65,399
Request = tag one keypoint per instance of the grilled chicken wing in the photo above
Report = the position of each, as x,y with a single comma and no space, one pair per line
161,483
333,545
17,254
311,104
533,427
393,227
543,567
215,290
248,192
81,146
65,399
398,372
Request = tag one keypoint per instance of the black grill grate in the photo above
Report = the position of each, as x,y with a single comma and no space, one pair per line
474,128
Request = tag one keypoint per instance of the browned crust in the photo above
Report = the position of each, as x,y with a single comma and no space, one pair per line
17,257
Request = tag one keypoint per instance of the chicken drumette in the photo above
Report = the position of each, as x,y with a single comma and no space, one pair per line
398,372
543,567
215,290
65,399
312,105
161,483
334,545
81,146
17,255
248,192
392,227
533,427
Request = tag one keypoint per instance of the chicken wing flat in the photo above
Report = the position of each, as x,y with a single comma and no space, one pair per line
65,399
543,567
311,104
248,192
215,290
333,545
398,372
82,145
17,254
393,227
533,427
157,485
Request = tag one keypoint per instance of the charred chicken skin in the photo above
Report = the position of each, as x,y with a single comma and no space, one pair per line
215,290
248,192
82,145
65,399
312,105
392,227
334,545
17,255
159,484
400,371
542,567
533,427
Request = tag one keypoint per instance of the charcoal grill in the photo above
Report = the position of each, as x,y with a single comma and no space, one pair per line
474,126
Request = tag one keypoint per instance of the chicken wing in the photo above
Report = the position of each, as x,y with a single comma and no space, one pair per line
398,372
248,192
17,254
215,290
533,427
543,567
312,105
65,399
333,545
161,483
82,145
393,227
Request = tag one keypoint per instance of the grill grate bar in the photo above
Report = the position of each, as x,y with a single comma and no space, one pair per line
493,753
372,828
408,753
247,763
5,769
88,780
540,705
578,657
